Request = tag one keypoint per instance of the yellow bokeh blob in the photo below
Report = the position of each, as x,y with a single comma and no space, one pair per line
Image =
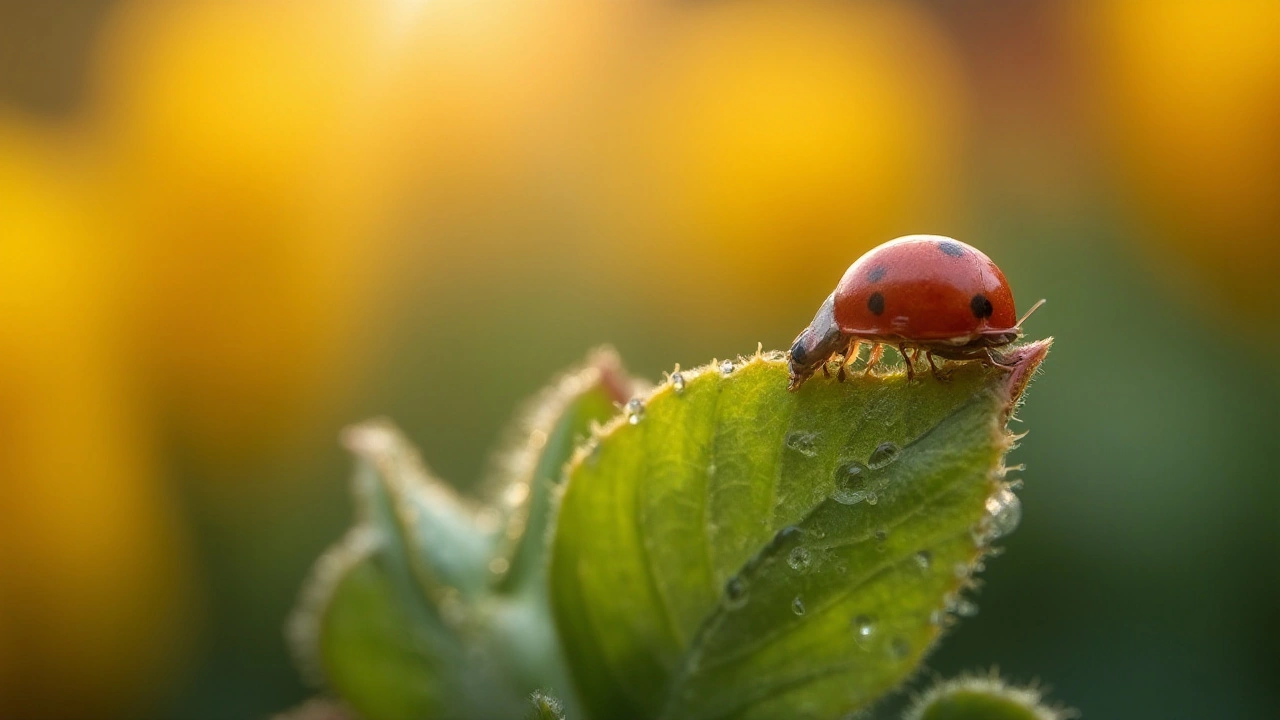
745,146
94,582
1189,92
232,136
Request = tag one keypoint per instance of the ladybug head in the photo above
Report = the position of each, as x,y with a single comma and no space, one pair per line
815,344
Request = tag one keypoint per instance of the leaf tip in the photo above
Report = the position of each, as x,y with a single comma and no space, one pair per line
1022,363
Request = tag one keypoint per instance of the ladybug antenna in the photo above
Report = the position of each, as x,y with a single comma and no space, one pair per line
1027,314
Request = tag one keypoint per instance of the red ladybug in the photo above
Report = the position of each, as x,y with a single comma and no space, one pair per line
927,293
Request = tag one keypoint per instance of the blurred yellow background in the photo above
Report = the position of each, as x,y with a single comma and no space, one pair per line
228,228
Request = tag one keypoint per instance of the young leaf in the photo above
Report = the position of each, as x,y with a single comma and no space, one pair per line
734,550
545,707
427,608
983,698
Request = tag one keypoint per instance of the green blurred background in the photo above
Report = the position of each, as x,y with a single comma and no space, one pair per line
230,227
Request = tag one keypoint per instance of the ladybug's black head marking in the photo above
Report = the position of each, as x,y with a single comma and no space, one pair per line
876,274
798,354
951,248
875,303
981,306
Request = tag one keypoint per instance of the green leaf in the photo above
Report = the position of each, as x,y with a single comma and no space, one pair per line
734,550
983,698
431,607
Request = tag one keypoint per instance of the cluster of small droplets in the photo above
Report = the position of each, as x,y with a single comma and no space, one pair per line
634,411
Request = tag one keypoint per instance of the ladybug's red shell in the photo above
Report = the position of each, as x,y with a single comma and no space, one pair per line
924,289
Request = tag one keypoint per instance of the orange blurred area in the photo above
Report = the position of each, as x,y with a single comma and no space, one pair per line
1188,101
227,228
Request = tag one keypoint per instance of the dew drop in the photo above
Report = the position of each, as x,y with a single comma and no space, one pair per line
804,443
961,571
726,367
872,498
677,382
1004,512
923,559
851,478
884,454
634,411
965,608
735,593
864,626
899,649
799,559
797,606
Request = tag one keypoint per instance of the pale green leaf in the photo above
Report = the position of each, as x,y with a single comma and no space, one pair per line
984,698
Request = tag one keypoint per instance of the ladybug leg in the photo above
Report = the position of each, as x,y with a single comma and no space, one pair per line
850,355
911,369
877,352
938,374
994,360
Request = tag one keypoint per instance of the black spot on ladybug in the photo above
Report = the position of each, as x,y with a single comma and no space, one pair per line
952,249
875,303
876,274
981,306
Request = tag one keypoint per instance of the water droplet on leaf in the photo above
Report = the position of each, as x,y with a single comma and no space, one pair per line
1004,512
804,443
726,367
851,478
735,593
677,382
923,559
797,606
899,649
884,454
634,411
799,559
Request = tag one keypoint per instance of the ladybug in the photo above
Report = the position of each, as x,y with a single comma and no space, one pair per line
926,293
